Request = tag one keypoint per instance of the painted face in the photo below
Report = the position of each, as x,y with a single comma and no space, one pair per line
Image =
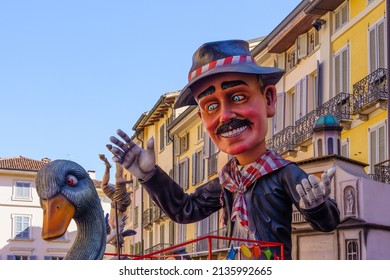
234,113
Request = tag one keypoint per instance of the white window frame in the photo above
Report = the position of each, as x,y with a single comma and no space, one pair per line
377,46
18,228
197,167
341,71
338,16
23,191
279,117
299,99
345,147
375,158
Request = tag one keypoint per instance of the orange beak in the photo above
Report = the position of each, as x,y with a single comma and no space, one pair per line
58,211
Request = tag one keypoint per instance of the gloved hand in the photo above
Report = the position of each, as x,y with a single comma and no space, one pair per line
314,193
139,162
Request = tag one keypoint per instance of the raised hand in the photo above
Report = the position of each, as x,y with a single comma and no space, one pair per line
138,161
314,193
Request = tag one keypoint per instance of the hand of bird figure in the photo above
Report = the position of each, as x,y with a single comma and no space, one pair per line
138,161
313,192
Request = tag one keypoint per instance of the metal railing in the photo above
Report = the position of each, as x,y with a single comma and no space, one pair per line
282,141
370,90
382,172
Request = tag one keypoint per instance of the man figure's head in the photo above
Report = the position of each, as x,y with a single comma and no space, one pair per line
235,97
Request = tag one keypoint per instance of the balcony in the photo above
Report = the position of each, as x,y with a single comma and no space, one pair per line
370,93
157,214
304,127
282,141
202,245
147,219
157,247
382,172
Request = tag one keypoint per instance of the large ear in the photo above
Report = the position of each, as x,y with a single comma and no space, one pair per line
270,98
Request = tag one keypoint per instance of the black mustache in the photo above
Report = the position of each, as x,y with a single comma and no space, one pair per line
234,123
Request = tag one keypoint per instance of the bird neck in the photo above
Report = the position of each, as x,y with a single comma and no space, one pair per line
90,242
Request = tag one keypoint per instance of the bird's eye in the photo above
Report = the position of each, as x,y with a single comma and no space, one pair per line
71,180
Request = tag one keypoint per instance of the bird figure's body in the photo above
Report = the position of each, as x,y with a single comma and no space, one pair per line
66,191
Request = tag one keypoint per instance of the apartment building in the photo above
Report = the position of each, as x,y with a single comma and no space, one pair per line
334,54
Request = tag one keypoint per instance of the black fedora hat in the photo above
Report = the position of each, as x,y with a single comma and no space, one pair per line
222,57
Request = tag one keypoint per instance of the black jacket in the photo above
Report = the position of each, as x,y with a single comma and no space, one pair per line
271,200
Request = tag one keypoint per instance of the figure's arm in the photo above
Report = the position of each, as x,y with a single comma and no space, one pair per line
183,207
321,211
169,196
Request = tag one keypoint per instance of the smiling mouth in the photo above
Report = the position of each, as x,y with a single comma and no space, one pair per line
234,132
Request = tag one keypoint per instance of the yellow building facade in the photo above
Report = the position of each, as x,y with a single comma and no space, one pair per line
334,56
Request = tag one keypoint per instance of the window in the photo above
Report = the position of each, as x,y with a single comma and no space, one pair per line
341,71
300,99
345,148
181,173
136,216
314,39
302,46
200,133
182,233
53,258
291,59
208,226
168,121
197,167
278,120
21,257
377,145
352,249
22,190
330,146
319,147
162,137
21,226
376,46
341,16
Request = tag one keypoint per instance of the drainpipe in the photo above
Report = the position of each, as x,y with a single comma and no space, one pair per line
388,74
173,163
142,199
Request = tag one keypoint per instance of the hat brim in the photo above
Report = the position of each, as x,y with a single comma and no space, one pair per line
268,75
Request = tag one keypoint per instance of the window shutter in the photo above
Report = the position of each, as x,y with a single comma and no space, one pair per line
176,146
381,45
206,146
302,46
194,169
318,85
177,173
279,116
186,173
337,74
372,50
345,70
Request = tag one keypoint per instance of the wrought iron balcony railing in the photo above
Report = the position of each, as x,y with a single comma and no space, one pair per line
382,172
304,127
370,90
282,141
147,218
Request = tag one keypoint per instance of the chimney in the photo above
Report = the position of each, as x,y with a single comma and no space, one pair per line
92,174
46,160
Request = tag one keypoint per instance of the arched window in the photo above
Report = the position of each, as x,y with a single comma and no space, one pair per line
352,249
338,147
330,146
319,147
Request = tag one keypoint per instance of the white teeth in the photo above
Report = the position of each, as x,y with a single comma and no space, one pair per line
234,132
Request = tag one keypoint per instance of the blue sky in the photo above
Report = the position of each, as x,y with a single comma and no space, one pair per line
72,72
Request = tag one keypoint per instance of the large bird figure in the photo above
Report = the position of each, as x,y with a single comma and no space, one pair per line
66,191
